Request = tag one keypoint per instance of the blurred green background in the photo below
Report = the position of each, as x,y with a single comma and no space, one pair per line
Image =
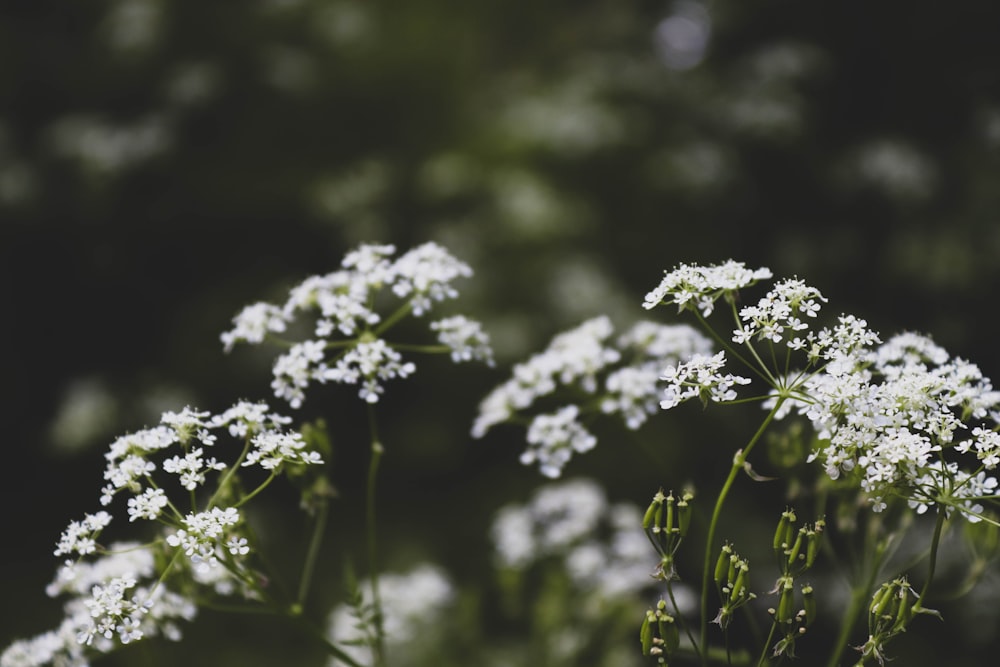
163,164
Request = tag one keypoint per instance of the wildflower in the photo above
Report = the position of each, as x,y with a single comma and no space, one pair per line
691,286
699,377
465,337
271,449
368,364
253,323
553,437
79,536
600,544
342,305
203,535
576,359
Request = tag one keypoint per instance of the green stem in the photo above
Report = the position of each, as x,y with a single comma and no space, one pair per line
763,653
738,460
859,600
680,619
309,566
932,559
373,567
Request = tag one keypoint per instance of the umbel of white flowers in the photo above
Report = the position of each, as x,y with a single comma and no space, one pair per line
902,417
341,308
120,593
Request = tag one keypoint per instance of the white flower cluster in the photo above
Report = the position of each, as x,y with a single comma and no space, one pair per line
412,603
691,286
895,420
780,310
889,414
465,338
131,464
701,377
601,544
342,306
369,363
202,535
117,597
106,603
574,360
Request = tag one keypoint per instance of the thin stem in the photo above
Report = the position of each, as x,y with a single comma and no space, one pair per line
309,566
763,653
373,567
680,619
932,559
738,460
224,482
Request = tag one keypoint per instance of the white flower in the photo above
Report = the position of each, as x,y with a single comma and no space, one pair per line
693,286
245,418
272,448
148,505
465,337
191,468
601,545
368,364
203,534
573,358
699,377
425,273
552,439
296,368
253,323
79,536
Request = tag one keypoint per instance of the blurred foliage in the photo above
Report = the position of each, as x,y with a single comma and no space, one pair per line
163,164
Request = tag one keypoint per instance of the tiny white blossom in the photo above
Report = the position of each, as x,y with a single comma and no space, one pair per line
552,439
271,449
699,377
253,323
693,286
369,363
465,337
79,536
424,275
148,505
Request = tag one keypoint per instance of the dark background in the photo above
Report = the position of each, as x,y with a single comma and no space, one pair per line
163,164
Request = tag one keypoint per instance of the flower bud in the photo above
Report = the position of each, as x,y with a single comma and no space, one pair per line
782,532
809,603
646,632
684,512
668,525
649,518
786,602
793,553
722,565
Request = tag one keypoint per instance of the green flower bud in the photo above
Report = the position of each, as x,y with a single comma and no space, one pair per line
786,603
779,535
646,632
812,546
905,611
722,565
793,553
649,517
669,525
684,510
809,603
741,580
